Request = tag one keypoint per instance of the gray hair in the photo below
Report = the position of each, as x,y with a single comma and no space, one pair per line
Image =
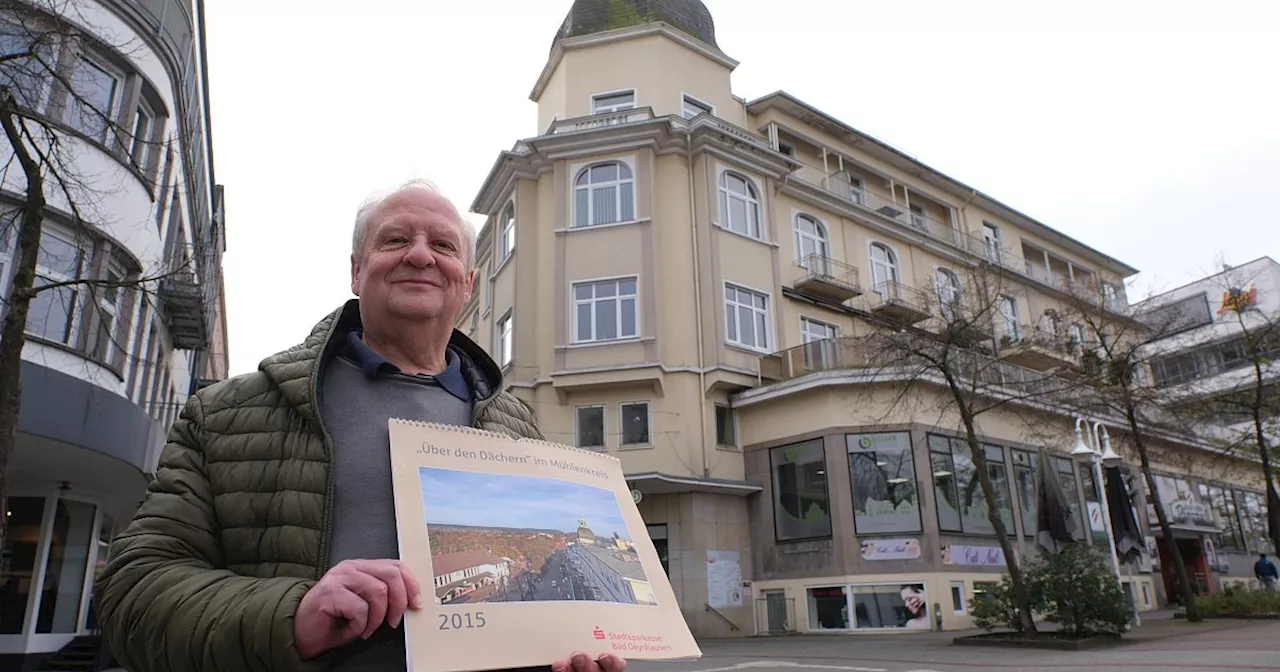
374,202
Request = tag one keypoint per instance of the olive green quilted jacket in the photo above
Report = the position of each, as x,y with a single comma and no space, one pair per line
235,525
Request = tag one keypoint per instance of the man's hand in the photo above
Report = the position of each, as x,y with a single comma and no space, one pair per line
353,600
579,662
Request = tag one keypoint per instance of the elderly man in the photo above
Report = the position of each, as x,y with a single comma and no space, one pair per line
267,540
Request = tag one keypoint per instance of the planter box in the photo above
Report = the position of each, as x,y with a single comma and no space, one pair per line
1234,617
1044,640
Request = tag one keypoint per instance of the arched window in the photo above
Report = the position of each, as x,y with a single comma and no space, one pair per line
507,230
884,270
604,194
739,205
949,295
811,242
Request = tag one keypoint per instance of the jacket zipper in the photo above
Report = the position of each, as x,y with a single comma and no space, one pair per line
323,565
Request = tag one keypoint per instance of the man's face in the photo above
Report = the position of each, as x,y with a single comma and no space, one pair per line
413,263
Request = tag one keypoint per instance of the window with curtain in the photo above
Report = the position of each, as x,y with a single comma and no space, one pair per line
604,193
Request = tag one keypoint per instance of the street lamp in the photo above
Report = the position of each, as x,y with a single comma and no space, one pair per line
1097,452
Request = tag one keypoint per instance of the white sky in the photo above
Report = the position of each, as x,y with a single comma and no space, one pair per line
1148,130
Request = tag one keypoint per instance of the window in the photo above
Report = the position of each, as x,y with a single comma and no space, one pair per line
95,95
811,241
502,343
604,194
1012,329
8,238
140,144
828,608
819,344
603,103
949,295
739,205
488,285
694,107
962,506
589,426
24,516
957,598
507,244
746,317
1225,506
604,310
1067,478
801,509
918,219
110,302
633,419
726,427
884,270
991,238
1076,337
884,483
52,311
64,571
891,606
1025,465
26,77
658,535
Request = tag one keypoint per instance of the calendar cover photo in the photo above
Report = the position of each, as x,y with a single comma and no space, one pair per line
527,551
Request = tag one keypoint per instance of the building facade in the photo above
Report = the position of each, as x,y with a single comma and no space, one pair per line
106,366
686,279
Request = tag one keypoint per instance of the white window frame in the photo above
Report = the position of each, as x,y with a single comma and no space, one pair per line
890,267
945,281
140,143
619,184
698,105
504,341
604,426
731,312
488,285
597,108
507,231
8,245
832,331
919,216
821,240
46,274
622,428
112,311
995,245
618,297
964,598
754,227
1011,321
117,97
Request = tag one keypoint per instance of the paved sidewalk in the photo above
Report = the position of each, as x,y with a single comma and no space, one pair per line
1160,645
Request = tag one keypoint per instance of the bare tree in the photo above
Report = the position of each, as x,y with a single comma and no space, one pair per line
1115,346
953,350
52,116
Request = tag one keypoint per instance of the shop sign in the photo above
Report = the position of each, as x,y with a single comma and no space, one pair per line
1186,512
972,556
890,549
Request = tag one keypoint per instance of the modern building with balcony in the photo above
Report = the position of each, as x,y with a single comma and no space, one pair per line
692,281
107,363
1212,332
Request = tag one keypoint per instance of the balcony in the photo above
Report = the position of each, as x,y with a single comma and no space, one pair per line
1039,350
839,183
826,278
960,324
895,301
184,309
990,251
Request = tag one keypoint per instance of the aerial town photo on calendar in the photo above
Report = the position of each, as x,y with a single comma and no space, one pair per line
514,538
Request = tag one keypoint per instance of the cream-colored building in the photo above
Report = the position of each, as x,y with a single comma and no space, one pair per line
675,275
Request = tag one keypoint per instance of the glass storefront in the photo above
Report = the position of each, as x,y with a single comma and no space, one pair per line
48,551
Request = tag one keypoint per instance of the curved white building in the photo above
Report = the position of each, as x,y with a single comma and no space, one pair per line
122,86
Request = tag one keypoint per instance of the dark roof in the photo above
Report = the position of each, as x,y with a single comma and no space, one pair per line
449,563
597,16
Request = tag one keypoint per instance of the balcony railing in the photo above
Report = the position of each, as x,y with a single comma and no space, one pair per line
899,302
840,185
827,278
1039,349
605,120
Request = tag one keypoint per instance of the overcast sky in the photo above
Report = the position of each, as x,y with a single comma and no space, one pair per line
1147,129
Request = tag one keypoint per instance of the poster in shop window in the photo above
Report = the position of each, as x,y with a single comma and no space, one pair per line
530,544
724,579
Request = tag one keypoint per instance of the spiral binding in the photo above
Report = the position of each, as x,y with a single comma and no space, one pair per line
467,429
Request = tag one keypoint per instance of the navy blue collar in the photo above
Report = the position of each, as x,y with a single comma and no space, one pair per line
373,365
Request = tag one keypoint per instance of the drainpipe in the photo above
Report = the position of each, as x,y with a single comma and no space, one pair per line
697,307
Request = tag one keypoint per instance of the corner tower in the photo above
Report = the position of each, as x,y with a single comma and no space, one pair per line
615,55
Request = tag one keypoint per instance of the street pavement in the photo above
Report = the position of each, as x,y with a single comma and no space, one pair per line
1157,646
